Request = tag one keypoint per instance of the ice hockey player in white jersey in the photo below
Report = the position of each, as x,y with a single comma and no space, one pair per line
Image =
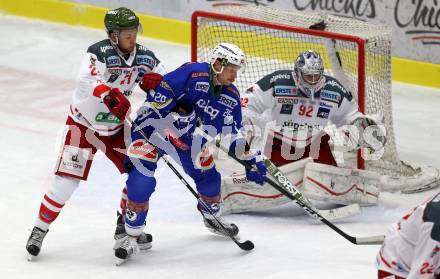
109,72
286,112
411,249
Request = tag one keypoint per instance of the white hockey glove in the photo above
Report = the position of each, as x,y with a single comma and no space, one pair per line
368,131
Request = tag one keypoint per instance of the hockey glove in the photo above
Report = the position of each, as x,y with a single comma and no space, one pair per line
257,172
372,133
184,124
117,103
150,81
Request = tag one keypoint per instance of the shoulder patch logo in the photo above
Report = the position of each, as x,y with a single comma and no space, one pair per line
145,60
199,74
202,86
105,48
113,61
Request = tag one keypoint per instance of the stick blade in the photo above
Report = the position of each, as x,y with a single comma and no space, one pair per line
246,246
370,240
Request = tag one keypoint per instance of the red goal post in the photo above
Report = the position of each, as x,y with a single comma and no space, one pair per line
355,52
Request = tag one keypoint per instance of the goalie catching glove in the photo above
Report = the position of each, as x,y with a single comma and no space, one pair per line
368,131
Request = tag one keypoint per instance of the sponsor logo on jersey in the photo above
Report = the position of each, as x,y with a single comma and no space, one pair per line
286,109
228,119
212,112
142,150
322,104
199,74
202,86
227,101
145,60
286,100
336,84
330,96
299,126
73,160
205,161
113,61
105,48
279,76
106,117
116,72
323,112
285,91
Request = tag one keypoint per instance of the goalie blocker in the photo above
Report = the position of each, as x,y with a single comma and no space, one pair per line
316,181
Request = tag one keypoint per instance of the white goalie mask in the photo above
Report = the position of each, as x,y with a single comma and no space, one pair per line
309,72
227,54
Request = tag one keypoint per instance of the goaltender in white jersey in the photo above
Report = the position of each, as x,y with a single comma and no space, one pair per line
286,113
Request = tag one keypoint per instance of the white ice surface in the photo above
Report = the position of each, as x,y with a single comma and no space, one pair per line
38,66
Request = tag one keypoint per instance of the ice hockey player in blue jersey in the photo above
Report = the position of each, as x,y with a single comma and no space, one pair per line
196,94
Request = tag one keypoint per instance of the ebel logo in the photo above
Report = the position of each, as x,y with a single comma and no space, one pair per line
227,101
279,76
105,48
212,112
113,61
202,86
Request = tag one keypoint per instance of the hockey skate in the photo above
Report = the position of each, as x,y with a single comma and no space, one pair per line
33,245
144,241
212,224
126,248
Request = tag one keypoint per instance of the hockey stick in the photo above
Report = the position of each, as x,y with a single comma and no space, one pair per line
330,214
246,245
292,193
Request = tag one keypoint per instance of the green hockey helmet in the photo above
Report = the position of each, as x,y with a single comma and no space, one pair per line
120,19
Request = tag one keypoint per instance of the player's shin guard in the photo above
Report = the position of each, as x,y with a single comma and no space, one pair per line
215,207
54,200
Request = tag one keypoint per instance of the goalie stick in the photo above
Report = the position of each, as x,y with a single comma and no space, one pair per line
330,214
246,245
292,193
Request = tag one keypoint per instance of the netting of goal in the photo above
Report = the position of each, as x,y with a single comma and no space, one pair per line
355,52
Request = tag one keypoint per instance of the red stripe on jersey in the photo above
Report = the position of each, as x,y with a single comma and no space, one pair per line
100,89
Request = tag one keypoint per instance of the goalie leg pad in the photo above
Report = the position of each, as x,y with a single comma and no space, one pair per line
340,185
240,195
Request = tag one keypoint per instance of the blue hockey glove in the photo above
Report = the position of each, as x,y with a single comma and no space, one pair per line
258,171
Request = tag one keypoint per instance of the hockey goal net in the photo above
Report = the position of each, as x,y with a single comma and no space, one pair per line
355,52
